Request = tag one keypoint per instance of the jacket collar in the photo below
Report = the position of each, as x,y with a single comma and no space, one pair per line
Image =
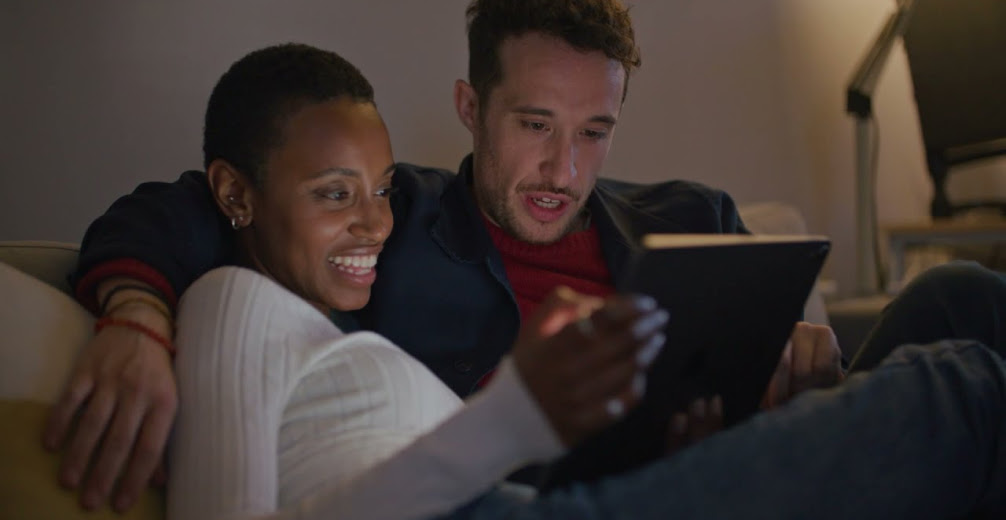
459,228
621,223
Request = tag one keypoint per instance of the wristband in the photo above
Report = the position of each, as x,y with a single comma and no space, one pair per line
109,321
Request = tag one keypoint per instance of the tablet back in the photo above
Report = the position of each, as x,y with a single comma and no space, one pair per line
733,301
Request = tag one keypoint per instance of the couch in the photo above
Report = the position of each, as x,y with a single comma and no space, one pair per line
43,329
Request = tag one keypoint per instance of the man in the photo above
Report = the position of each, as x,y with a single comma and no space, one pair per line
525,213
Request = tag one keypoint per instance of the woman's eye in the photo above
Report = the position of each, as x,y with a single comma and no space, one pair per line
334,194
386,192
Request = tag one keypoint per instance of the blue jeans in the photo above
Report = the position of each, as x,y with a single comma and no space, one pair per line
959,300
921,436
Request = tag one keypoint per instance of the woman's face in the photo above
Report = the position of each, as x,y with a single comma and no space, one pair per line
322,214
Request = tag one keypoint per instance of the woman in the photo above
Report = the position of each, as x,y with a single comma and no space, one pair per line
261,365
284,416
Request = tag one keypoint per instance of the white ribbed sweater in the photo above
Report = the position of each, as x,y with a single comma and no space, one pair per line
281,415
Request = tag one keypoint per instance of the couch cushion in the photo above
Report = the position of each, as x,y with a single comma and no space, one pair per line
43,331
28,486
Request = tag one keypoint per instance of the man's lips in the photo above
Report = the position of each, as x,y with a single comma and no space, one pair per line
546,207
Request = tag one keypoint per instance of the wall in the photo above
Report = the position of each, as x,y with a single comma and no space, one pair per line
745,95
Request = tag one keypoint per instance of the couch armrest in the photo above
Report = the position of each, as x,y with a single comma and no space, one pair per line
50,262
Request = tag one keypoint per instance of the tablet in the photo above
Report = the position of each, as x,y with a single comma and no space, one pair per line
733,301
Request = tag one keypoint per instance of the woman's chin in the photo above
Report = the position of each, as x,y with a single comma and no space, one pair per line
349,302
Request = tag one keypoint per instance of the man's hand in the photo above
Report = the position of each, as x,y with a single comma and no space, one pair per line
703,418
811,359
584,359
115,413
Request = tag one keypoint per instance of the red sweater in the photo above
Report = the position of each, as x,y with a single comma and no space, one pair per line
535,270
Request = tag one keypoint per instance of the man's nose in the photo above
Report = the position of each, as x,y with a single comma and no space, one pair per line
560,164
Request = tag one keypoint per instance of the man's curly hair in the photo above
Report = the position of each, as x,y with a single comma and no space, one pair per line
588,25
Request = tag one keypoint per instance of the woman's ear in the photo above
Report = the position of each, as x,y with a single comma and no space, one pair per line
466,102
232,191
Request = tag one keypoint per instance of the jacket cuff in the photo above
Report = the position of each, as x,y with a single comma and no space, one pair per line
86,290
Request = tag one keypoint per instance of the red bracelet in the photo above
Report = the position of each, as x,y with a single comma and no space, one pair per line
109,321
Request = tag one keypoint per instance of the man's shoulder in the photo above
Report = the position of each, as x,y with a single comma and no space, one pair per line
669,195
414,179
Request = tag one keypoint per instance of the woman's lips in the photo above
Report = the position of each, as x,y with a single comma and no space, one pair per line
358,269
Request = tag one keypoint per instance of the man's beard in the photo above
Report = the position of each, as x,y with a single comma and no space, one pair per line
493,200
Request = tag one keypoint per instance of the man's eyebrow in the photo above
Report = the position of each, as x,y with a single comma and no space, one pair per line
603,119
534,111
390,169
544,112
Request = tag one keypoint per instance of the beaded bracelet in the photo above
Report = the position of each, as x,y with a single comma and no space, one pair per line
109,321
135,287
139,299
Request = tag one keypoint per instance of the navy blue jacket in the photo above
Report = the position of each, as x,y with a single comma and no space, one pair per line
441,293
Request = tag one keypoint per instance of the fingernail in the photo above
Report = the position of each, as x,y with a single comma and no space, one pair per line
717,405
650,324
639,384
645,303
650,350
698,408
679,423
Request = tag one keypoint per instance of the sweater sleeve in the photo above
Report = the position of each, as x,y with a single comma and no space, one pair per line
224,450
498,430
171,229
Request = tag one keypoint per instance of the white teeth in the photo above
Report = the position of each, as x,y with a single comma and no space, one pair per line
359,263
546,203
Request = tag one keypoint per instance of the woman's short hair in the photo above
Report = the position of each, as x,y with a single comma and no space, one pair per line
253,99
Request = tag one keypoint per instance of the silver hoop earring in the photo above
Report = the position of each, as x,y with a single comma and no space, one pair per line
236,222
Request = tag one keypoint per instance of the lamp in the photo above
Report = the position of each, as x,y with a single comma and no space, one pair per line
859,103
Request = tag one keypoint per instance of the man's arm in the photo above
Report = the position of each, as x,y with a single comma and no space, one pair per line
165,234
118,405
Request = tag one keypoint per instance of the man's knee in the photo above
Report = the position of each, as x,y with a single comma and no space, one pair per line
955,360
958,282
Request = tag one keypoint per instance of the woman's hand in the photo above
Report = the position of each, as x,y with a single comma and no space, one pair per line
584,359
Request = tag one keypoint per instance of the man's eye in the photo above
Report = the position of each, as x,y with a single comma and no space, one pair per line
595,135
537,126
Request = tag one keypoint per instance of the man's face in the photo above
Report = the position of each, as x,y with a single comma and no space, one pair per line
542,134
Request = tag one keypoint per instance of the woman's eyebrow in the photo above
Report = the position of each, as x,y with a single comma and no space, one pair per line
338,170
